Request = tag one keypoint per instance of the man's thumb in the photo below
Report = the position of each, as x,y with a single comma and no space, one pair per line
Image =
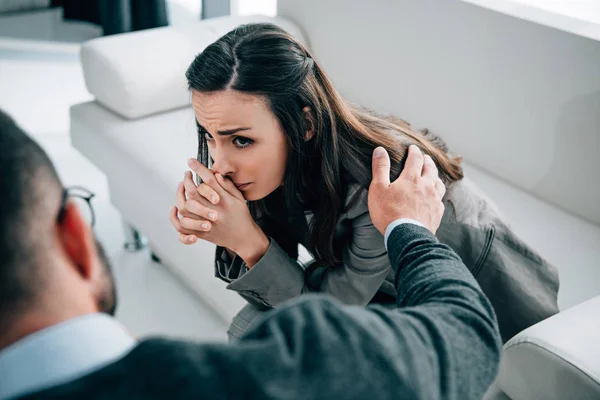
381,166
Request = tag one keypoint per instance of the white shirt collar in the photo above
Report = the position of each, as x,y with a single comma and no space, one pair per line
62,353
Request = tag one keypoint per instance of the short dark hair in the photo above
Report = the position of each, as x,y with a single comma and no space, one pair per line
29,183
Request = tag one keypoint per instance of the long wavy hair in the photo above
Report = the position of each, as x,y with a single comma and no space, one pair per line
264,60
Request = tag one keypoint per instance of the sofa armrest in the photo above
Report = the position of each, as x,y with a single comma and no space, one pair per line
142,73
558,358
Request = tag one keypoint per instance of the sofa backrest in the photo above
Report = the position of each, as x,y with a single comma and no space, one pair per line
142,73
515,98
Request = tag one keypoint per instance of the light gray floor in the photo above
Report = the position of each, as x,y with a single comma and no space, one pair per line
38,83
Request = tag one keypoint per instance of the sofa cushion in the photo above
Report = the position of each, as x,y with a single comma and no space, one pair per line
558,358
141,73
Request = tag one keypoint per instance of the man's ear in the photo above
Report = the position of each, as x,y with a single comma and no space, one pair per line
309,123
77,239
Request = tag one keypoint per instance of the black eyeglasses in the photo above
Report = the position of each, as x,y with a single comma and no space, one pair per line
78,195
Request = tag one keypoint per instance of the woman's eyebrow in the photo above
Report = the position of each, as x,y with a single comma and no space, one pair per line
226,132
232,131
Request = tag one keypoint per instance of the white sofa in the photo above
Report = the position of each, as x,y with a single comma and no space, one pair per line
516,98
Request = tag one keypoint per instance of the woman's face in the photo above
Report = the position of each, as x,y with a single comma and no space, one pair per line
244,140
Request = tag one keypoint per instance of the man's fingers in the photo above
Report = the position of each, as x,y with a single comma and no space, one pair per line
381,166
440,187
440,215
429,168
229,187
413,166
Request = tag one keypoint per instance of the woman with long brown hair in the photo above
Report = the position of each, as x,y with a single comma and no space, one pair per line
285,160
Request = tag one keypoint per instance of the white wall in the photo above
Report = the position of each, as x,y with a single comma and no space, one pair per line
513,97
585,10
254,7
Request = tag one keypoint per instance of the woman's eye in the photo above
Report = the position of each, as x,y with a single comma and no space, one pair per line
207,136
242,142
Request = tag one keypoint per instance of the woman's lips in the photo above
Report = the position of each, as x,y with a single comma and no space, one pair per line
242,186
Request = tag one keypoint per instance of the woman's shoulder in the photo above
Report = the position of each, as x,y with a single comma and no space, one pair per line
356,203
470,205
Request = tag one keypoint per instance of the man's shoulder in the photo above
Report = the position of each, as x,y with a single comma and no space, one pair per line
155,368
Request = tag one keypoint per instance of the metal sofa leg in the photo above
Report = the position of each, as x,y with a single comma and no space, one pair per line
134,240
154,257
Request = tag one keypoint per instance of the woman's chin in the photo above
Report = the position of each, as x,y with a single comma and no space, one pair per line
253,195
249,195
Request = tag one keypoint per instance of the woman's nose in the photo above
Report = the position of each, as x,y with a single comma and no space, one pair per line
222,164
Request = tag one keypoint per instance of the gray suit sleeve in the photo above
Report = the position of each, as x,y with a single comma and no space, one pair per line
278,277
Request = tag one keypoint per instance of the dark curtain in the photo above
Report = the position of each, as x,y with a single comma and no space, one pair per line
116,16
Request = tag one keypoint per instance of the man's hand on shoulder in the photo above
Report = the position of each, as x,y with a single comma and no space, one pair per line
416,194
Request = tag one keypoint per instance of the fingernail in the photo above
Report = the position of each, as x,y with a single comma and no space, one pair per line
379,152
214,199
204,226
191,161
212,216
190,239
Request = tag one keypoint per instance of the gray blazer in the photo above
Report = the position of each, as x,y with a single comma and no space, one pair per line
520,284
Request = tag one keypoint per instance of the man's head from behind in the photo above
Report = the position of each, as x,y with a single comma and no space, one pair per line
51,268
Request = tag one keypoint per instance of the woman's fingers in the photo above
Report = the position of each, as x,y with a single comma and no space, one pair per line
187,239
208,193
190,224
229,187
200,210
180,197
180,201
185,236
174,219
191,191
207,176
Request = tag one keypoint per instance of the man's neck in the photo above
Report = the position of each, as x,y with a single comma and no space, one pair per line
32,322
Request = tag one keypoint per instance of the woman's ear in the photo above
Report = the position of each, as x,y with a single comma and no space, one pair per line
309,123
